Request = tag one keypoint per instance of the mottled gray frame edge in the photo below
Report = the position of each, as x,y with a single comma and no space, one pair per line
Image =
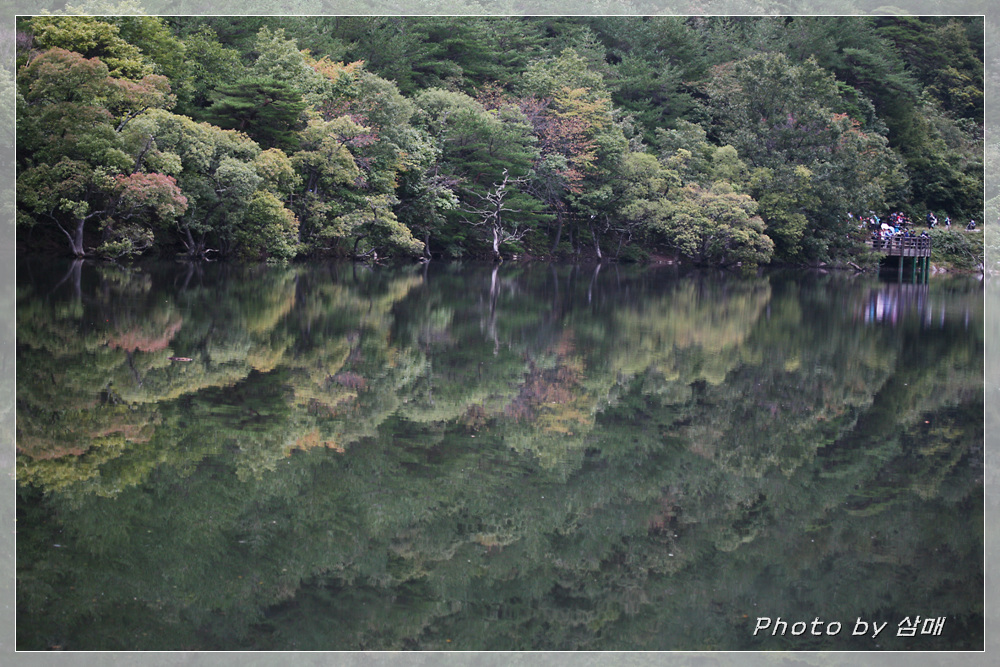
446,7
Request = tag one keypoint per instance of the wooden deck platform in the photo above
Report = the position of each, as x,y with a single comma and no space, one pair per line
899,248
902,246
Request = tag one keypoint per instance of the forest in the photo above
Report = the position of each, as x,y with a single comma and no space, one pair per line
713,140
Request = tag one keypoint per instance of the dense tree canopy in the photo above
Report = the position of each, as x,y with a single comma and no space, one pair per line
619,136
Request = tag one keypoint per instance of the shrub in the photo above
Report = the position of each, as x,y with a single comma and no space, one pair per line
957,249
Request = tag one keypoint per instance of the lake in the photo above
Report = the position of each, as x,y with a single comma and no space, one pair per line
523,457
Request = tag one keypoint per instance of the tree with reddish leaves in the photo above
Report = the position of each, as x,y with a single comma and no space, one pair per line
565,154
580,145
75,167
138,202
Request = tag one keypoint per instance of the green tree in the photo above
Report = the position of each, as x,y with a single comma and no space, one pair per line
785,200
268,229
939,55
91,37
715,226
652,62
209,64
924,80
329,173
221,172
268,110
279,58
780,116
154,39
641,198
374,226
480,150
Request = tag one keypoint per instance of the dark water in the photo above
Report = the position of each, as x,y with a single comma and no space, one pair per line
532,458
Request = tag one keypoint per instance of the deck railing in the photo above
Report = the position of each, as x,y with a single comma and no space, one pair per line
903,246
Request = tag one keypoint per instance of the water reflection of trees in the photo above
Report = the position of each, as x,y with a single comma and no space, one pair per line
592,452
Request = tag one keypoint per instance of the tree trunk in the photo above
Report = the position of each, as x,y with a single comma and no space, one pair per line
559,226
76,239
597,241
142,153
496,245
194,248
189,243
618,251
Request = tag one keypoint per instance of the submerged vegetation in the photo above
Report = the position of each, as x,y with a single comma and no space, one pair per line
713,140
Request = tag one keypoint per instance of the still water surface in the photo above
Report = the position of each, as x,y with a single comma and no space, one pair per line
449,457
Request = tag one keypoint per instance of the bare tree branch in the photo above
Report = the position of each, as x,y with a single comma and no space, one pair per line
494,211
